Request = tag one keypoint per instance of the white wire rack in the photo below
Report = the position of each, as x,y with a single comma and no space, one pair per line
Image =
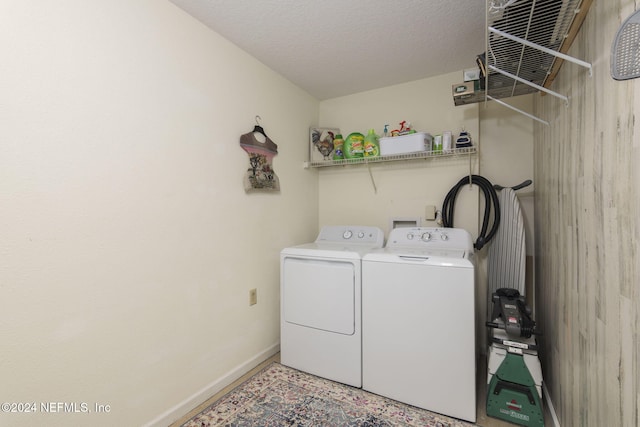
526,43
392,158
425,155
524,39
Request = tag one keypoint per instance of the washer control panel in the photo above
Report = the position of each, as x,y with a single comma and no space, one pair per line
372,236
430,237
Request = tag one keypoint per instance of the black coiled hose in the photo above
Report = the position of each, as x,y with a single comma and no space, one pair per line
491,199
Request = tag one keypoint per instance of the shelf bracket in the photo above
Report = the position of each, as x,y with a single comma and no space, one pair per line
470,171
527,82
373,181
531,116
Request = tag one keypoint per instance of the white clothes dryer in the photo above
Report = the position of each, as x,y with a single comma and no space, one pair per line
418,320
320,302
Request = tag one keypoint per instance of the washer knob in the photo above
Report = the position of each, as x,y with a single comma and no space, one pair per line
426,237
409,236
347,234
361,234
444,236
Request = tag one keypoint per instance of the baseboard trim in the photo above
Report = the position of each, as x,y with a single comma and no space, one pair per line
182,408
552,410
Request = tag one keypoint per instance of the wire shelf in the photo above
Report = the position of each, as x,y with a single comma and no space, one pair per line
393,158
543,23
527,41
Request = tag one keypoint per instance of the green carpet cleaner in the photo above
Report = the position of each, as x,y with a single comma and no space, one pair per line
514,374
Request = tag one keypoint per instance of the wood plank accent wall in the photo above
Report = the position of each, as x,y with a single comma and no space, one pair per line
568,41
587,232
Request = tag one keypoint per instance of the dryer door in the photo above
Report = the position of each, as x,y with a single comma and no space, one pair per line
320,293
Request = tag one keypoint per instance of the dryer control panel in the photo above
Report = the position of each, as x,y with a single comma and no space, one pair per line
430,237
372,236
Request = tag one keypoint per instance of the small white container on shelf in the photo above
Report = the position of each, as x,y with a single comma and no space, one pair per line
411,143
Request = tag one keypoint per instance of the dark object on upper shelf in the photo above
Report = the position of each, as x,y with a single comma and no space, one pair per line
552,24
520,186
481,61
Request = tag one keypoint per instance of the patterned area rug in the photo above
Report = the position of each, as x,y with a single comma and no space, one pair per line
280,396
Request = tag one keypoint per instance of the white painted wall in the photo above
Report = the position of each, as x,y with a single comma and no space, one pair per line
507,151
128,243
404,189
506,159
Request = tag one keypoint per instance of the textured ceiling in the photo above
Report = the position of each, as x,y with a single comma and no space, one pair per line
332,48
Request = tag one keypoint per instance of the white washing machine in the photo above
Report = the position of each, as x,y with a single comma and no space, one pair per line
418,320
320,303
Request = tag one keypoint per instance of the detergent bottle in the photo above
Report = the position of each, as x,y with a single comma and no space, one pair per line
371,144
338,147
354,146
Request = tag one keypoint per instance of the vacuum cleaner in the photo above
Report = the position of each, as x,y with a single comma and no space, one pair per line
514,375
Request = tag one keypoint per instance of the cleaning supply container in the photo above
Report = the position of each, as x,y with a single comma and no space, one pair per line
338,147
412,143
354,146
371,144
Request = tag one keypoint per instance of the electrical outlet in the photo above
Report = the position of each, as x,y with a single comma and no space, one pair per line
253,296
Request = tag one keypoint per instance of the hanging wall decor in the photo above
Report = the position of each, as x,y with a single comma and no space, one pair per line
321,144
260,175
